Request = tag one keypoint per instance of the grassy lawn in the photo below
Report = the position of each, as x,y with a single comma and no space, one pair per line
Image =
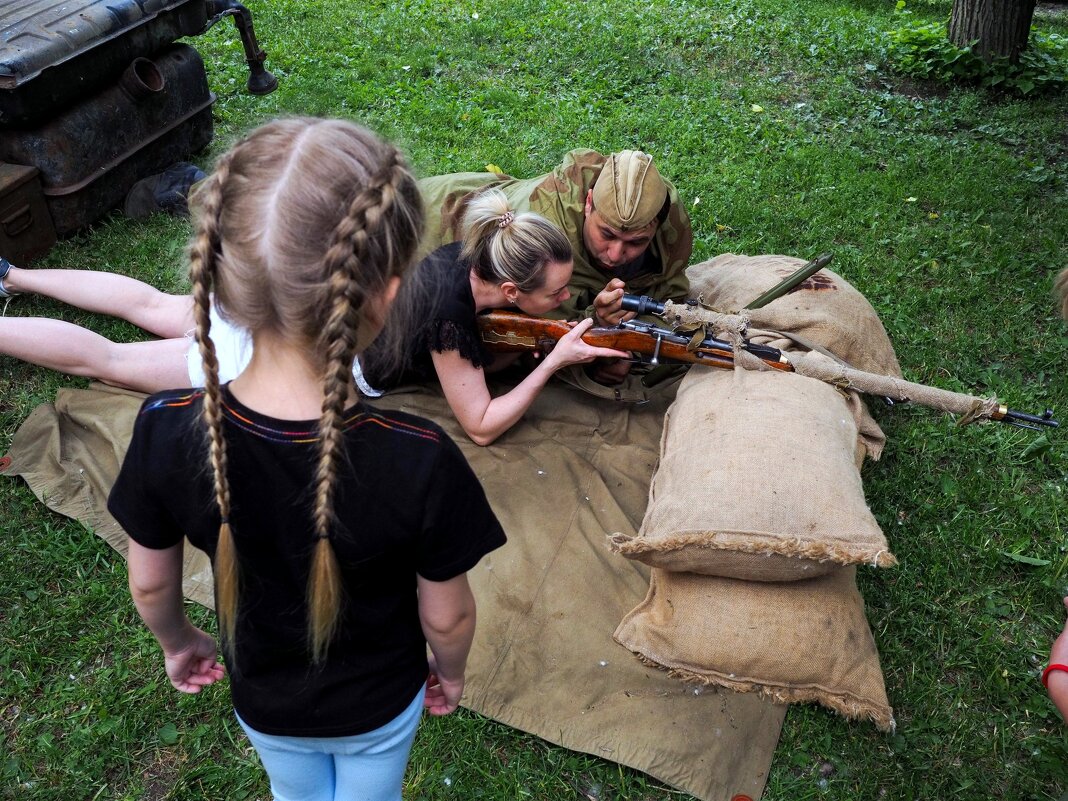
785,133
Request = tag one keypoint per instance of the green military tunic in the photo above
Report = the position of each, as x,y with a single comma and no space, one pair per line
560,197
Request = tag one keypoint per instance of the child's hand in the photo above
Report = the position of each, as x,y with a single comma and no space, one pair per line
442,695
196,665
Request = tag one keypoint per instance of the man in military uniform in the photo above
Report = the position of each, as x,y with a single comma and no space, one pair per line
626,224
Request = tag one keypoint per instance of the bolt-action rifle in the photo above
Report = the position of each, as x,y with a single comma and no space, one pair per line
512,332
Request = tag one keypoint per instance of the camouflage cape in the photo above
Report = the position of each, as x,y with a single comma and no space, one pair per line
560,197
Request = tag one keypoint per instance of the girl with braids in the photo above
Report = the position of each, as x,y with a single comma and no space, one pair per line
504,260
339,536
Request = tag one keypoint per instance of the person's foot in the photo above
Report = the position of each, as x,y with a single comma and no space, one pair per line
166,192
5,268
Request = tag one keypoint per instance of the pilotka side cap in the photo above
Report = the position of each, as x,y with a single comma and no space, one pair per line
629,192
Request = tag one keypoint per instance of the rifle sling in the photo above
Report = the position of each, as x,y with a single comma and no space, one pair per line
576,377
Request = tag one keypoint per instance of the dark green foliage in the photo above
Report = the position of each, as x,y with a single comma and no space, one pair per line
923,50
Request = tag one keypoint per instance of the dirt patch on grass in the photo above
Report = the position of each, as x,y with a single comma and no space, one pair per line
914,88
160,775
9,717
1054,12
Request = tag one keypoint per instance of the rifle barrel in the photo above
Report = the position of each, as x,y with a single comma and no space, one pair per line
1025,420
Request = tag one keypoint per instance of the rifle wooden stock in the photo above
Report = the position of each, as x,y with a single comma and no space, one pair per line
512,332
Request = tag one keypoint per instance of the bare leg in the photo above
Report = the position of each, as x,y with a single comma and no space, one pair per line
109,293
141,366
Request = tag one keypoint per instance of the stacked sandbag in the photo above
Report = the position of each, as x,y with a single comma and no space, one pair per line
756,514
758,479
794,642
824,309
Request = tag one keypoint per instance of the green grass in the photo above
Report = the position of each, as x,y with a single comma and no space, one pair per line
785,133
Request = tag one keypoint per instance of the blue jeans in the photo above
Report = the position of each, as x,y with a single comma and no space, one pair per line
363,767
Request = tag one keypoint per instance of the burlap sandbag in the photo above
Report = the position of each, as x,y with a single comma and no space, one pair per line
824,309
758,479
793,642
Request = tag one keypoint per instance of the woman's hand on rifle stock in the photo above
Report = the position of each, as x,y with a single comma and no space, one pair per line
571,349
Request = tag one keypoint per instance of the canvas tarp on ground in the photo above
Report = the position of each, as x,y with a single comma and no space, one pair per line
548,602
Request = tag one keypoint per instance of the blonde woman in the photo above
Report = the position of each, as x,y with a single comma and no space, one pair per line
505,260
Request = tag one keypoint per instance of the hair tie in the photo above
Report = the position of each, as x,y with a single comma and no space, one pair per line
506,219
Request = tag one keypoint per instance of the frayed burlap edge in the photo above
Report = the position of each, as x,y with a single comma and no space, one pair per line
638,547
845,704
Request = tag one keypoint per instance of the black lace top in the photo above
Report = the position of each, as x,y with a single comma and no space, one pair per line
446,315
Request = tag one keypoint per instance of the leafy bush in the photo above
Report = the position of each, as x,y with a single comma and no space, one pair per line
923,50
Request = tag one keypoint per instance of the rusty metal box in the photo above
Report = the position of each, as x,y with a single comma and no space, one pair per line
26,230
91,152
55,53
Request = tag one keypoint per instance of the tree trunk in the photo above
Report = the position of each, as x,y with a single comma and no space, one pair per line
1000,26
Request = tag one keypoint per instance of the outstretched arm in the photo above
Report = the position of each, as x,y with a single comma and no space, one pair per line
447,614
156,587
483,417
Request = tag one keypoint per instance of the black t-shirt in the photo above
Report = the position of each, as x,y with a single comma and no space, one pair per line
444,319
408,503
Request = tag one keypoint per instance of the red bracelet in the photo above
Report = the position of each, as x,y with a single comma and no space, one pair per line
1050,669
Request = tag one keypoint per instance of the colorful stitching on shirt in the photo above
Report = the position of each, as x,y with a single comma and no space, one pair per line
403,428
298,437
273,434
303,437
171,403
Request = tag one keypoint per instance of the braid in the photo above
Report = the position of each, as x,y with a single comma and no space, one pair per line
359,233
203,265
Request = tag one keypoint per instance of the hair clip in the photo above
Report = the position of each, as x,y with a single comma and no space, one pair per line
506,219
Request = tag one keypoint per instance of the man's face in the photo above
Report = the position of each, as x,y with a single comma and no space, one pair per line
610,248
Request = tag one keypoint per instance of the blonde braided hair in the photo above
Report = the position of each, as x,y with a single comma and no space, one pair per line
298,227
202,268
350,250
